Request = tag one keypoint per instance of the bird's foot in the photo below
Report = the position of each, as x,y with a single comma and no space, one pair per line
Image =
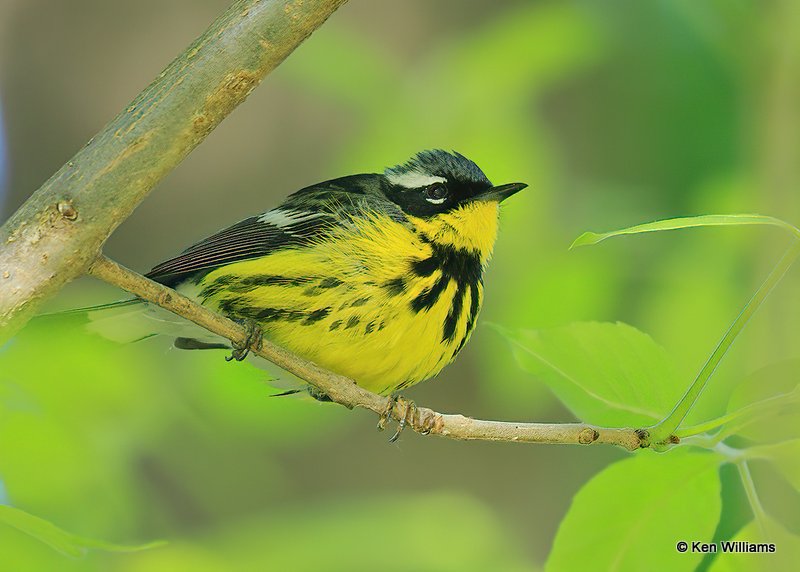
318,394
409,416
253,340
387,413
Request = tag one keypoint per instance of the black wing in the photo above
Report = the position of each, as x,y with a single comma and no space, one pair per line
306,215
251,238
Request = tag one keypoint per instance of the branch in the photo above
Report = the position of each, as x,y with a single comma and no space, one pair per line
346,392
58,232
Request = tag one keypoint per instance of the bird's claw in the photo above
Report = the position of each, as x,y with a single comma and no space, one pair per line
427,425
387,413
408,418
318,394
253,340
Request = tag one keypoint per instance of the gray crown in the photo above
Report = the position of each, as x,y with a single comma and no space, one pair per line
452,166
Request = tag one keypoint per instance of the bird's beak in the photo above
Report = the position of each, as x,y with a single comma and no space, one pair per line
500,192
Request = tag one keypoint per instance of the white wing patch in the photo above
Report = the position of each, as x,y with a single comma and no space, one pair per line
282,218
413,179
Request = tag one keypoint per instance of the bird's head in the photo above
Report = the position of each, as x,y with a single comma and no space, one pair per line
449,199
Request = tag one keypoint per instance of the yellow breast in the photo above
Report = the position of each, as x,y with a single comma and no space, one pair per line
385,303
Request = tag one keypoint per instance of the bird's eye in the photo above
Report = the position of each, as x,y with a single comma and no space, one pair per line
435,193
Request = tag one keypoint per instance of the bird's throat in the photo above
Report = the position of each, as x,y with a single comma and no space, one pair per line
471,227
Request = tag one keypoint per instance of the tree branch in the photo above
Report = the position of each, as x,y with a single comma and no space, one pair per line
346,392
59,231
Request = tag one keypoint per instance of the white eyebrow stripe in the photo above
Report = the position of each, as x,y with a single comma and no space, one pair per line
414,179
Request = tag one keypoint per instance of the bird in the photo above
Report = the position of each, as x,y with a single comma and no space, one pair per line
375,276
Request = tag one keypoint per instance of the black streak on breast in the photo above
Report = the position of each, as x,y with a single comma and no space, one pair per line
461,266
395,286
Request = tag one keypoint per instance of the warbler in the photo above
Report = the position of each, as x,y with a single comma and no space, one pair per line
377,277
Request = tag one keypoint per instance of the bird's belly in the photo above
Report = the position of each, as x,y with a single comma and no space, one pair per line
369,328
383,345
384,348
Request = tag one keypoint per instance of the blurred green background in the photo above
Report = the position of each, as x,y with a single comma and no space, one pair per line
614,112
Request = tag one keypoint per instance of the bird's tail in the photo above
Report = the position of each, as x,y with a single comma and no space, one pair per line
133,320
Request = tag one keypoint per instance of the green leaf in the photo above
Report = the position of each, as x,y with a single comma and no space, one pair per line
590,238
59,539
607,374
632,515
785,557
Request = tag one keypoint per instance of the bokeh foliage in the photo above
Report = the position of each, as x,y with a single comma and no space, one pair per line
615,114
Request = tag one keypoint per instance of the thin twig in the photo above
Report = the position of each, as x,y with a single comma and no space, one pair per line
736,420
346,392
